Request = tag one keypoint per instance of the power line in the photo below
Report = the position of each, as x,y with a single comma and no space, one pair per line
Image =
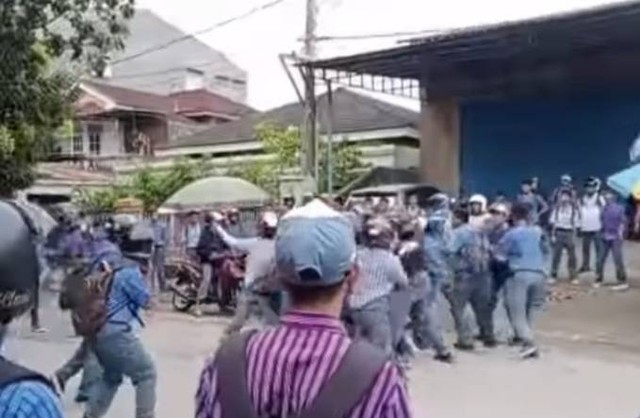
218,25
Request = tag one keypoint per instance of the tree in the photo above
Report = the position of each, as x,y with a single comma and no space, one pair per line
35,96
284,144
151,187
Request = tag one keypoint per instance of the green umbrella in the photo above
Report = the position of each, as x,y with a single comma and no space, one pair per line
214,192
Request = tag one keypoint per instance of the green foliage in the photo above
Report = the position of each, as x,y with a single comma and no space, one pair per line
34,98
284,144
263,174
101,201
151,187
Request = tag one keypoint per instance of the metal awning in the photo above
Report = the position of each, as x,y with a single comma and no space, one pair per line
576,46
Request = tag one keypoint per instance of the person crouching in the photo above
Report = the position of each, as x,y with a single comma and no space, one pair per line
380,273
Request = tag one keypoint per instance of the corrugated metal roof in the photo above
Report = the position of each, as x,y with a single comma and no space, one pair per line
551,36
353,113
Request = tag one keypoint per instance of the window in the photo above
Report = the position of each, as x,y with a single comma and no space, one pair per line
95,139
77,140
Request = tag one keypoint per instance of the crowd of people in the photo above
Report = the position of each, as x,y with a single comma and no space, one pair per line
335,296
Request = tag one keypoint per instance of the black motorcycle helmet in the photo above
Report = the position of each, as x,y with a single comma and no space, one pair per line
19,267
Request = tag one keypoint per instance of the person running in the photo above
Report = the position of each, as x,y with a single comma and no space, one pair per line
118,348
525,250
614,221
23,393
253,373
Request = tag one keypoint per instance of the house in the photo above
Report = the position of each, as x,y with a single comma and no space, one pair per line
153,61
387,134
541,97
115,126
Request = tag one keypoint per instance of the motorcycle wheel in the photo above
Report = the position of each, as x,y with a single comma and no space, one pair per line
180,303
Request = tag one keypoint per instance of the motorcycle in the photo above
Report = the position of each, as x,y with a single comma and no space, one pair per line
185,276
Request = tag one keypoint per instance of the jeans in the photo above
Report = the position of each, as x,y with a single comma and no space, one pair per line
473,289
564,240
122,354
590,239
525,296
372,322
82,359
615,247
425,321
157,261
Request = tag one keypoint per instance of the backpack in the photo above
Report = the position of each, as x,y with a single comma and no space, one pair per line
12,373
89,303
357,372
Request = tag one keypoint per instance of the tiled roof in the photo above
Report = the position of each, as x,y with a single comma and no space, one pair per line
353,113
200,100
205,101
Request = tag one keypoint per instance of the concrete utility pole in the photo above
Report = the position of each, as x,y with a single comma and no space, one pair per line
310,145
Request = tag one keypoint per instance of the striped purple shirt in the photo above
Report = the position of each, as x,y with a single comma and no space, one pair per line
288,365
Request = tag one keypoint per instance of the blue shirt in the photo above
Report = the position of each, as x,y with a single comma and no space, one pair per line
29,399
128,294
524,248
469,250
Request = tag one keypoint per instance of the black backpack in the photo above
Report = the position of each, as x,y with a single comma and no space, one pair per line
13,373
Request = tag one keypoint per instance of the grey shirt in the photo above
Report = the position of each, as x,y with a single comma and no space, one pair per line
261,255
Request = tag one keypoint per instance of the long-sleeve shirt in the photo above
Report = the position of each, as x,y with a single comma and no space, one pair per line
469,250
261,255
288,365
380,272
29,399
129,293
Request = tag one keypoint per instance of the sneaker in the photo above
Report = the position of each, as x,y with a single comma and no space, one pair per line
575,281
464,346
529,352
551,280
197,312
597,285
620,287
38,330
584,270
444,358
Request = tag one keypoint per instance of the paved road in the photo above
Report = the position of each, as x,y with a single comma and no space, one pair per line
567,382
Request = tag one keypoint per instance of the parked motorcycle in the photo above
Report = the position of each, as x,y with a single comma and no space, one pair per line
185,276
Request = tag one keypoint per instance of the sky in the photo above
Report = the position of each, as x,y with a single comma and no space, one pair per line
254,43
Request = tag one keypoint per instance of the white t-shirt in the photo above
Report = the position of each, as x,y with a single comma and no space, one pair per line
591,210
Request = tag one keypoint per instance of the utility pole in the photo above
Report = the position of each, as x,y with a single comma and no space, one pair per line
310,144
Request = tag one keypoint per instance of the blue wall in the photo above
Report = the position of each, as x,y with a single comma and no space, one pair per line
505,141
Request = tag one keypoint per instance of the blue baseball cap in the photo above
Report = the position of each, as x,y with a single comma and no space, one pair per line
315,246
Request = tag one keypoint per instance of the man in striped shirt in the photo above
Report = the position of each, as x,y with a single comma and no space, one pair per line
381,272
290,367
